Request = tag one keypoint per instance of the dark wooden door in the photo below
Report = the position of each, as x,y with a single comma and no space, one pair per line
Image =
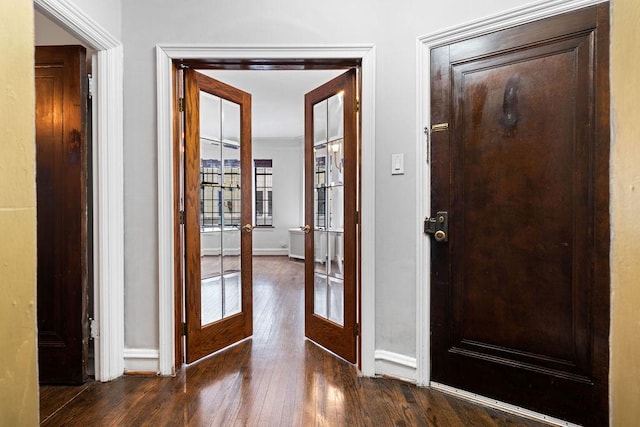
218,252
61,181
520,291
331,191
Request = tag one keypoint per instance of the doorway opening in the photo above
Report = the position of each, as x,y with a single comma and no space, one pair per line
273,209
65,204
165,55
108,236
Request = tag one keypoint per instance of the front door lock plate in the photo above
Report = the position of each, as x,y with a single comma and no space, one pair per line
438,226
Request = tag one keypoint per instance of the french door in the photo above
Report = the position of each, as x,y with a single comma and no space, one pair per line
218,231
331,194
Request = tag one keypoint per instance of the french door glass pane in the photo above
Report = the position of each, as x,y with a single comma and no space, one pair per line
335,300
320,123
211,293
335,117
320,208
320,252
210,183
230,122
336,162
210,119
231,250
231,183
220,208
320,295
232,293
335,254
336,208
320,161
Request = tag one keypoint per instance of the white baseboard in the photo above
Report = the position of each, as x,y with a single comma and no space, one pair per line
271,251
141,360
395,365
216,252
501,406
257,252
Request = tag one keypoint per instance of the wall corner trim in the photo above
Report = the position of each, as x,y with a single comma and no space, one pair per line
138,360
396,365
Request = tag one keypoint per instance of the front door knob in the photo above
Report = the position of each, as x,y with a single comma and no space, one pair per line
440,236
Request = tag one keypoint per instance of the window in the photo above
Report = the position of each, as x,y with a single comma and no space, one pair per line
321,192
210,194
220,193
264,193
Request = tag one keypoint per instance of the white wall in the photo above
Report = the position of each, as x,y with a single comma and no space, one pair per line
288,205
107,13
392,26
48,33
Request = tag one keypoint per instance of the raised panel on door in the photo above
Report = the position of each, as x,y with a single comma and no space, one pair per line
217,215
331,191
520,289
61,184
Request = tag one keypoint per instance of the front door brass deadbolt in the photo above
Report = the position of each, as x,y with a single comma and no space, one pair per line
438,226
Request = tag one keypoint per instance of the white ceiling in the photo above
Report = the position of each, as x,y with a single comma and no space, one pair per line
277,97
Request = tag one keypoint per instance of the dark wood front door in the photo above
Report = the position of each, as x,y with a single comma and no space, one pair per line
331,191
218,253
61,181
520,291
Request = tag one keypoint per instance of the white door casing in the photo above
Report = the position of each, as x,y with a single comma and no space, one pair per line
165,54
108,189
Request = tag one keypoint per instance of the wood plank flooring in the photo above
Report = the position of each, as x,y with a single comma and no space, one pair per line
275,378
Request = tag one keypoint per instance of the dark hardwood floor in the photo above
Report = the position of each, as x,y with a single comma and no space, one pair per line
275,378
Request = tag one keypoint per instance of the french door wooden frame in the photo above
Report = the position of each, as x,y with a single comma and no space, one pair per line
178,129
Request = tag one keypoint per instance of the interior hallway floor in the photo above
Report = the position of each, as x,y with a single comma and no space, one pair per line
275,378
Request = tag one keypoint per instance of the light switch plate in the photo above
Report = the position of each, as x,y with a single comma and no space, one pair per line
397,164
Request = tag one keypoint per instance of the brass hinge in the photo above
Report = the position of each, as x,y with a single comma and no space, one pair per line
90,85
183,329
357,105
356,330
181,217
357,217
93,329
181,104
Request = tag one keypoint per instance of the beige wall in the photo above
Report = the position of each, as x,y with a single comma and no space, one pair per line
625,208
18,367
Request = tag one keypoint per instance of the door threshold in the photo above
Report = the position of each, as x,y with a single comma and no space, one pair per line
501,406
